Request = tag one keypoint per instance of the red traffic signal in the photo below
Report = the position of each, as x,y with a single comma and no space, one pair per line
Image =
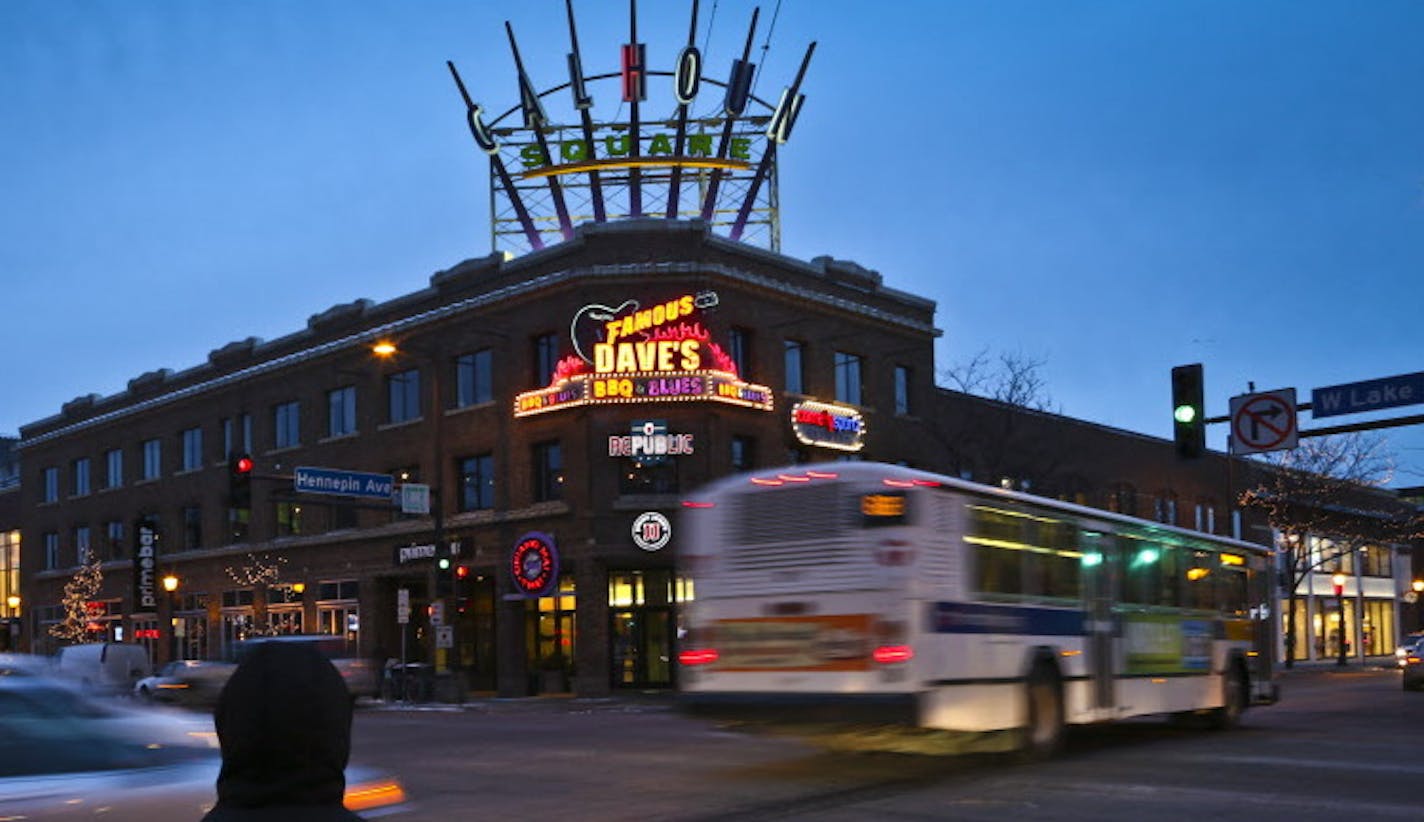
242,465
239,481
462,571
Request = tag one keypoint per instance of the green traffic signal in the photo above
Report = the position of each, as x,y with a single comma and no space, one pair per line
1185,413
444,563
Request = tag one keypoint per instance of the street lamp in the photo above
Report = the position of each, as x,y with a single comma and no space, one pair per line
170,586
388,350
1339,582
1418,586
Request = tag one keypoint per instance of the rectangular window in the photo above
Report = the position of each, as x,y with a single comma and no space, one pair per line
341,411
238,523
246,422
847,378
473,384
51,551
477,483
152,459
115,461
739,348
546,358
114,536
795,382
82,545
286,419
902,390
192,449
51,485
742,453
548,472
403,393
228,443
80,470
192,528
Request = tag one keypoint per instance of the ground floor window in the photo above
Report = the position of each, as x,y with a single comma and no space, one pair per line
1320,629
645,626
550,631
338,612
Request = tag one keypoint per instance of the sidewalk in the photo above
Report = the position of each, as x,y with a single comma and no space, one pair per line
633,702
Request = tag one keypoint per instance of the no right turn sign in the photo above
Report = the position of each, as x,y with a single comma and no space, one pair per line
1264,422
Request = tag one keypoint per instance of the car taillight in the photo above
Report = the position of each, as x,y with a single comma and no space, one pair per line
891,654
1411,660
698,656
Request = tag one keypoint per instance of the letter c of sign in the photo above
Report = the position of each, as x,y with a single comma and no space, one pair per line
483,138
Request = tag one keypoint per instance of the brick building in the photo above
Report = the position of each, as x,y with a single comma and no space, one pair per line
561,401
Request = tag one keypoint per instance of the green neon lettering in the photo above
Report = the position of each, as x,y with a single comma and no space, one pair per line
662,144
531,156
699,145
617,145
741,148
573,151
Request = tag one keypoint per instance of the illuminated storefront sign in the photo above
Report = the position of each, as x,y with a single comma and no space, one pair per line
636,354
651,531
145,566
650,443
828,425
534,564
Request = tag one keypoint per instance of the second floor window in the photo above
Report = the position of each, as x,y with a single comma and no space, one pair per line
192,528
546,358
902,390
477,483
548,472
403,391
192,449
341,411
286,419
51,485
472,378
738,348
114,537
289,519
115,461
795,382
82,546
152,459
51,551
80,468
847,378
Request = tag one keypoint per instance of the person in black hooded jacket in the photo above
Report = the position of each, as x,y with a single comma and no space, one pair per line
284,723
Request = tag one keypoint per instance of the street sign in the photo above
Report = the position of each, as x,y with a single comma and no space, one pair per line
1370,395
402,605
445,636
1264,422
437,613
343,483
415,498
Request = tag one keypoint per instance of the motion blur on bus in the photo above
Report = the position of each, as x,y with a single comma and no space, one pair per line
859,591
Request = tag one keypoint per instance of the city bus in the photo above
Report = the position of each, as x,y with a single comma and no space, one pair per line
870,592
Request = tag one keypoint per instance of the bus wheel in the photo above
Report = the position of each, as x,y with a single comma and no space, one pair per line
1233,686
1043,736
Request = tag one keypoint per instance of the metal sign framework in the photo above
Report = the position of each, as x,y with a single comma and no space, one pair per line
546,177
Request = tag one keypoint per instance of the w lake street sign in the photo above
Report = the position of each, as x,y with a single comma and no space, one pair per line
1370,395
343,483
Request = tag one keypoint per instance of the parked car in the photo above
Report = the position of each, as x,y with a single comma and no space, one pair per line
66,755
104,667
362,676
1412,664
186,682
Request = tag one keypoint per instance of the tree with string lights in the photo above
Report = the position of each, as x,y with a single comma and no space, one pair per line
79,593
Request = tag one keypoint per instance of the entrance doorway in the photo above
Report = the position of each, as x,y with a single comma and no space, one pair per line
643,629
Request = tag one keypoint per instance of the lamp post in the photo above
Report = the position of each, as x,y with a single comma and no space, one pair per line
1338,580
388,350
170,587
12,622
1418,586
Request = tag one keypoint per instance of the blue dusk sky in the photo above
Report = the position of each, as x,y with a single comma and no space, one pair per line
1112,188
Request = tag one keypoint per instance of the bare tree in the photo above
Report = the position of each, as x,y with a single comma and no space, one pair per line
1013,378
1327,487
79,591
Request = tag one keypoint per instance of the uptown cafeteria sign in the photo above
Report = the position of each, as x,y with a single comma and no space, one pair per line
634,353
828,425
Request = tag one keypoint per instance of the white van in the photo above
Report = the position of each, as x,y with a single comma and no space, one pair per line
107,667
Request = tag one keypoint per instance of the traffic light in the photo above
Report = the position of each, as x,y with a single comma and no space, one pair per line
461,592
239,480
444,570
1188,410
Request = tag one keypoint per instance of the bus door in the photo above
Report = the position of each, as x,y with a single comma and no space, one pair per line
1100,580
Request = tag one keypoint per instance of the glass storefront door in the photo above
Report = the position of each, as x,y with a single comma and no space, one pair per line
643,632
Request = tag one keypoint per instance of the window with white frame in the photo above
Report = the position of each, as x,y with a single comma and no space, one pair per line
192,449
51,485
80,471
152,459
403,394
473,383
847,378
341,411
286,419
114,459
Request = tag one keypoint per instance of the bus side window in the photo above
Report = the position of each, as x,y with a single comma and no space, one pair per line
1062,578
1201,581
